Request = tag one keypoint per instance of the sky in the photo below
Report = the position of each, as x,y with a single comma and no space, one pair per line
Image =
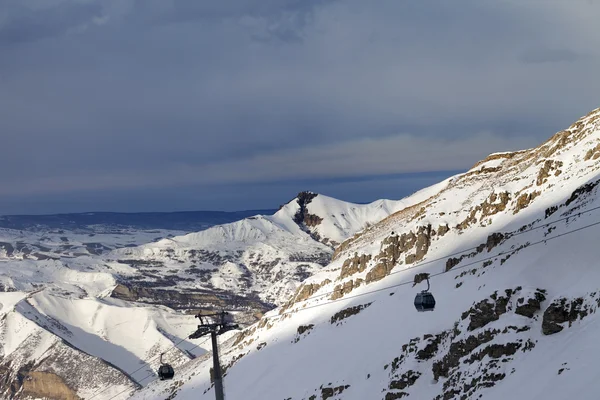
165,105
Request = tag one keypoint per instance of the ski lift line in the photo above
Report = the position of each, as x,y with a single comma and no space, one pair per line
389,287
432,275
125,390
509,236
144,366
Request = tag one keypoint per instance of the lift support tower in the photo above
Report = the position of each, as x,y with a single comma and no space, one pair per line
214,324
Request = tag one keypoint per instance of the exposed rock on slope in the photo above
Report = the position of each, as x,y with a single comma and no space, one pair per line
79,304
250,264
510,249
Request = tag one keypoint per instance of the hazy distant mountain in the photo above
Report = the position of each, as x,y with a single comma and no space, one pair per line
189,221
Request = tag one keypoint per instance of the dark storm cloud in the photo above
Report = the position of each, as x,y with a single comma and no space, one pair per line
120,95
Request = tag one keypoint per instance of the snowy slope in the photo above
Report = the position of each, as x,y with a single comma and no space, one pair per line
511,249
116,298
331,220
262,257
55,244
56,319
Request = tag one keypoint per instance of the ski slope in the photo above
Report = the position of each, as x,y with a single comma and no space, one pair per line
511,250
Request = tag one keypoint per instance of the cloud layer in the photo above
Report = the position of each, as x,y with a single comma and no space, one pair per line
121,95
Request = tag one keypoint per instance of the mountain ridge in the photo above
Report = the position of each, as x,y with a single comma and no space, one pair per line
510,248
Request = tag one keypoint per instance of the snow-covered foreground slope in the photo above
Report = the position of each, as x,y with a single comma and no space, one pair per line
69,344
262,257
115,299
511,250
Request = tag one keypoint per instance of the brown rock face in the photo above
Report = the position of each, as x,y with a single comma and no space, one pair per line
547,168
354,265
395,246
423,242
494,204
443,229
593,153
380,271
341,290
303,293
47,385
524,200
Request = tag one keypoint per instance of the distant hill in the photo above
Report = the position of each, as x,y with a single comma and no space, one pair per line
190,221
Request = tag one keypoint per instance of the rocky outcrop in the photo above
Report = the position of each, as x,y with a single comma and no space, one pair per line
524,200
593,153
432,344
302,332
443,229
401,383
396,246
564,310
421,246
328,392
303,218
528,306
420,278
338,317
380,271
354,265
302,293
343,289
546,170
460,349
494,204
47,385
493,240
488,310
188,299
581,192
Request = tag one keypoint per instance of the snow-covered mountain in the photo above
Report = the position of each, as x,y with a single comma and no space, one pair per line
262,257
511,249
85,313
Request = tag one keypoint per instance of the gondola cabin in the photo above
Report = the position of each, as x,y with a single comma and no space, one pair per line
424,301
165,371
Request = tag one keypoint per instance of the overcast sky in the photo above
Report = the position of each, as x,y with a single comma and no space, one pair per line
150,105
